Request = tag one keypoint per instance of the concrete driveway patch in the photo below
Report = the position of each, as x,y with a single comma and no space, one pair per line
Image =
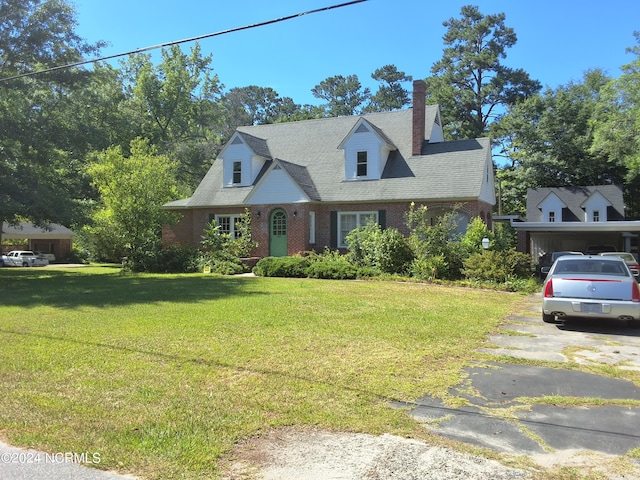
509,407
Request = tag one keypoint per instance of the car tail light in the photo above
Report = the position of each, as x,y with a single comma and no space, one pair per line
548,289
635,293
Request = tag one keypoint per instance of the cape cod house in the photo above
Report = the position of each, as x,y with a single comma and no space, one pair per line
307,184
575,218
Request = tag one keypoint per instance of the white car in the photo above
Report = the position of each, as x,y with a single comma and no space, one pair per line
590,286
23,258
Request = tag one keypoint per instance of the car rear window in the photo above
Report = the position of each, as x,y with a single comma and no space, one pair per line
591,266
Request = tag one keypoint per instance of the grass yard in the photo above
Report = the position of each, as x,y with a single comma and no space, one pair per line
162,374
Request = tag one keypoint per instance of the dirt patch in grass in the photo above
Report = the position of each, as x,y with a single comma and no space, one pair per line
318,455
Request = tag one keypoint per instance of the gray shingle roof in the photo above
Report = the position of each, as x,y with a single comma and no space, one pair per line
27,229
445,171
574,198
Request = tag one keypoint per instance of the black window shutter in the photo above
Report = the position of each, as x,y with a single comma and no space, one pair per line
382,218
333,229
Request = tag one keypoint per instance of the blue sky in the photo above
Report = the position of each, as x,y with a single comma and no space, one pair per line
557,40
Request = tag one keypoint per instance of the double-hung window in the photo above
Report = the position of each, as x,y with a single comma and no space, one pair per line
361,165
237,172
348,221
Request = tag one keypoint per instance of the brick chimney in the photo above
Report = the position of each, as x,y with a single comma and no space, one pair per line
419,111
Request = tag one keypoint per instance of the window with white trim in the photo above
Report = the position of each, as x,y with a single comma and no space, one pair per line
312,227
361,166
237,172
596,215
552,216
229,224
348,221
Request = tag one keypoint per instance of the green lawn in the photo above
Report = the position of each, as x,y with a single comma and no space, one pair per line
163,374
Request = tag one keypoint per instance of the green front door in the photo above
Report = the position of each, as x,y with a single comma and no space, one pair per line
278,234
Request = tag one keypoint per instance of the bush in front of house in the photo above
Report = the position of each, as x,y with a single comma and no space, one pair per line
295,267
384,249
497,266
173,259
221,252
332,265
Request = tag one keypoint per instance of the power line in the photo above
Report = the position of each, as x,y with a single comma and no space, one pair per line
177,42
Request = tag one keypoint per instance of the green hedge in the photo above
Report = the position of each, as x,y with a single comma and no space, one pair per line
282,267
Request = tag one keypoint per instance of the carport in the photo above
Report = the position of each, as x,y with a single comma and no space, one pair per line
55,238
540,237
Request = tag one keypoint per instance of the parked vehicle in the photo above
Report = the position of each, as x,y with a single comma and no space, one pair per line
631,261
546,261
598,249
49,256
590,286
24,258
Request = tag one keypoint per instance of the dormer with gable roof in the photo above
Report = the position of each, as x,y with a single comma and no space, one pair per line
551,208
366,150
595,207
243,159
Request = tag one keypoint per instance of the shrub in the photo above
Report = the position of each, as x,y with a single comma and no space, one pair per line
436,246
332,266
223,266
173,259
387,250
498,267
367,272
221,252
282,267
429,268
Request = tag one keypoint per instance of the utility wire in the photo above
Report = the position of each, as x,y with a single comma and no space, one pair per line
177,42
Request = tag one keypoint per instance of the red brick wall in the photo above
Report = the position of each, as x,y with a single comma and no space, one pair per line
188,231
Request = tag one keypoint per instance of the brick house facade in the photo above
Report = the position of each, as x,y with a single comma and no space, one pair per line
308,183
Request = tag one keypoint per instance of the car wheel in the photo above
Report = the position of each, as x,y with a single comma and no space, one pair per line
25,264
548,318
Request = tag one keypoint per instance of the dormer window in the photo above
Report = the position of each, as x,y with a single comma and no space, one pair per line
237,172
552,216
596,215
361,167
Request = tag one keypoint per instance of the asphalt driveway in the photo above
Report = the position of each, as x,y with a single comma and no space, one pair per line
529,410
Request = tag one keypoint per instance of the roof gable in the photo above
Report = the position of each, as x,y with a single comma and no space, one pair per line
363,126
257,145
284,182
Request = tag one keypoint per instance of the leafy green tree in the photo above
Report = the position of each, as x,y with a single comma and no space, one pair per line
133,189
175,102
255,105
438,251
40,143
550,142
470,82
390,95
344,95
476,231
616,123
222,253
